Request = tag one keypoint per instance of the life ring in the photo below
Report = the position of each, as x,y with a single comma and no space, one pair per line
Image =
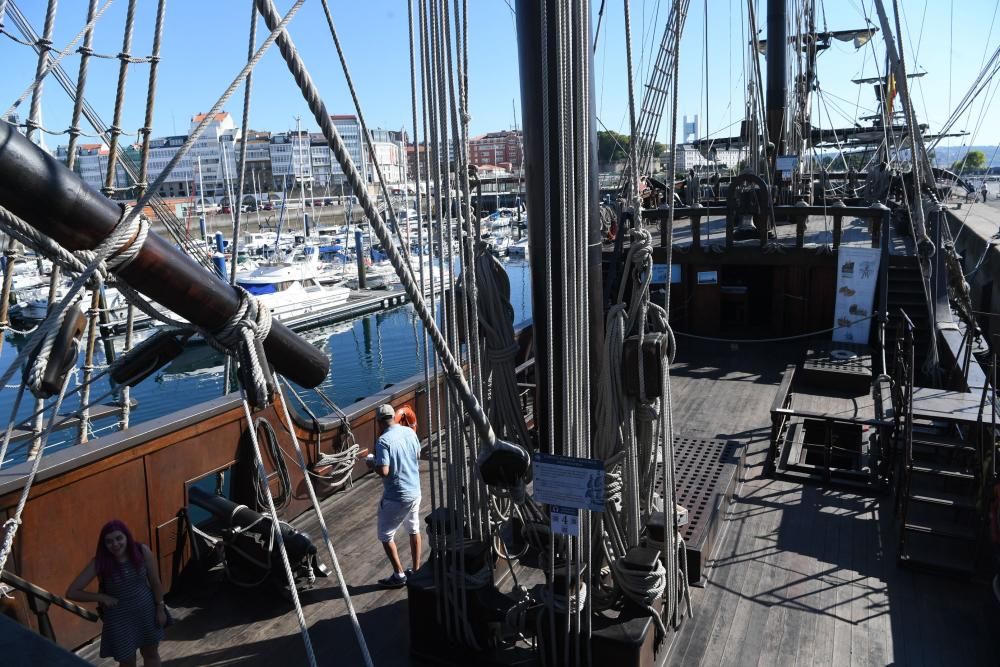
405,416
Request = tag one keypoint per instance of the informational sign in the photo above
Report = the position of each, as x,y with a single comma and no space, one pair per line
660,274
857,273
786,164
568,481
565,520
708,277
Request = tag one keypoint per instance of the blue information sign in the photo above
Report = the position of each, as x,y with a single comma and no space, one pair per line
569,481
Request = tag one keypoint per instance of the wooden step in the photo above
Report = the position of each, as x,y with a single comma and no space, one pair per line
908,560
942,472
952,531
944,500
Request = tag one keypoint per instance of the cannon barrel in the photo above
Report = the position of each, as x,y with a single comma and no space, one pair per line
40,189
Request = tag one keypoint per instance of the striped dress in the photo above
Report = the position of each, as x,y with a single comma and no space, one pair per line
132,622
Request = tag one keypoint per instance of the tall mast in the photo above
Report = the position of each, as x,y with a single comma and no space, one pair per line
302,182
777,92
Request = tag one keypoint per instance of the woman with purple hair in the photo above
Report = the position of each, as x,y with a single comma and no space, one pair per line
130,596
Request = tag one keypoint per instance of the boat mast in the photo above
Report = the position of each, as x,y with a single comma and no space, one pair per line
302,182
201,190
777,91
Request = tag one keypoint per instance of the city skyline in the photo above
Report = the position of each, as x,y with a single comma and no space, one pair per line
205,44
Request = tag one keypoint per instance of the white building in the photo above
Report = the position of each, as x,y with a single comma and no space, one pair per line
689,157
291,162
92,166
215,154
183,180
390,151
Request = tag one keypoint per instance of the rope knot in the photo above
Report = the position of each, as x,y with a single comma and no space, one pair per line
85,51
647,411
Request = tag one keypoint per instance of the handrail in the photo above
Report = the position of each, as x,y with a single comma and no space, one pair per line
31,589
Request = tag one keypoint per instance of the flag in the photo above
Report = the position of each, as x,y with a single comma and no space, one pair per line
890,96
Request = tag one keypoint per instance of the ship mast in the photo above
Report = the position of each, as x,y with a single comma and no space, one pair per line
777,89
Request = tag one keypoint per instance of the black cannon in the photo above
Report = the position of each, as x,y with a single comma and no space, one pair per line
248,544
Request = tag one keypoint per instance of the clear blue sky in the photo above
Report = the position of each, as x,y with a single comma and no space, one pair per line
206,42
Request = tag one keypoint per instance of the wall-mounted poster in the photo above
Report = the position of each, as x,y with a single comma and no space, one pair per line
660,274
708,277
857,274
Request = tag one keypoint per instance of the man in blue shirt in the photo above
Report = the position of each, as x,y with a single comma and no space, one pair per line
396,461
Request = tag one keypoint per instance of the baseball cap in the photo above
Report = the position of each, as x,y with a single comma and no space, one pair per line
385,412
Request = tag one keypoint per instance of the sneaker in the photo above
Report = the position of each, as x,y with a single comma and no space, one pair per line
408,572
394,580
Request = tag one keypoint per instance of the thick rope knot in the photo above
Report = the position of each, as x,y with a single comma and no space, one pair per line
642,587
613,486
122,245
647,411
250,317
240,337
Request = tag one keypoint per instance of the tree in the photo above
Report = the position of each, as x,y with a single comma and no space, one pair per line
973,161
611,146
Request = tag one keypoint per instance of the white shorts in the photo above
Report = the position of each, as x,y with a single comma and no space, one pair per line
394,513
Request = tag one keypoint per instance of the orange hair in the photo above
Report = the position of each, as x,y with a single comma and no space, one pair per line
405,416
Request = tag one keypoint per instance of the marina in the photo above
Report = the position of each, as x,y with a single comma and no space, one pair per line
393,386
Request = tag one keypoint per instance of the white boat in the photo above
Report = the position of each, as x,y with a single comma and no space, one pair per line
518,249
291,291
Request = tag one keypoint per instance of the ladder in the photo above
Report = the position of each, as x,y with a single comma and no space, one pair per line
655,97
941,476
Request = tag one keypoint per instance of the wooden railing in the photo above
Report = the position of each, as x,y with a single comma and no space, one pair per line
878,216
780,413
39,601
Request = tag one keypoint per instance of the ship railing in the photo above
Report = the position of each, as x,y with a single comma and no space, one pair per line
526,389
877,216
781,413
40,600
903,367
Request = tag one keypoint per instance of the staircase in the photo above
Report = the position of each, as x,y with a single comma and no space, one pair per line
941,474
906,292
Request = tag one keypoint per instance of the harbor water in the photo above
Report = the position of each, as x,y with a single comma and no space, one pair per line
366,355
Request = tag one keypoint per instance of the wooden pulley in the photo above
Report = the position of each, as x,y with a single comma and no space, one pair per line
62,356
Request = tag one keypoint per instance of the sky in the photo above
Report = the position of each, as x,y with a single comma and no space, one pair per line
205,45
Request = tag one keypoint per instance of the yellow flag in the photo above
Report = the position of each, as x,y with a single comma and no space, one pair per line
890,95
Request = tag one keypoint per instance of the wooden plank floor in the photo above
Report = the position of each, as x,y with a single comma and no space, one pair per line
803,575
806,575
224,625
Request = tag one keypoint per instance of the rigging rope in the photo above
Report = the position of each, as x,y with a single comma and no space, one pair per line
455,375
344,588
276,532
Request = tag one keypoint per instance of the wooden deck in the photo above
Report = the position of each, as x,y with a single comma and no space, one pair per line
803,575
